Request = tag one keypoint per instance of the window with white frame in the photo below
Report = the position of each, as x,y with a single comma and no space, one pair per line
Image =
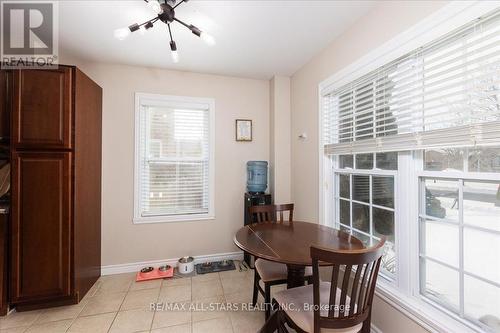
365,199
174,158
413,151
459,220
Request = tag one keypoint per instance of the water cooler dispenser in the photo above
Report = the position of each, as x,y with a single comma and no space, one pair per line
256,193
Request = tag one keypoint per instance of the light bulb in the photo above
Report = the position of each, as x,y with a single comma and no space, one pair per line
122,33
175,56
207,38
155,6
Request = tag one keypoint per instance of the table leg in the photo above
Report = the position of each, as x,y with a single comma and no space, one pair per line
295,276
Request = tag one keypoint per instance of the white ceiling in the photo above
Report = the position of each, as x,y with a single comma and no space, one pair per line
255,39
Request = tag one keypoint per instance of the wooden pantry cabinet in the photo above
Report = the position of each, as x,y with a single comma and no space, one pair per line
55,198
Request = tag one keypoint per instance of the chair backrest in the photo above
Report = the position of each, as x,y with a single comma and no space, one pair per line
270,213
263,213
355,273
281,209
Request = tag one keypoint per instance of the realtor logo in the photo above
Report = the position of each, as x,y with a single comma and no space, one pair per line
29,34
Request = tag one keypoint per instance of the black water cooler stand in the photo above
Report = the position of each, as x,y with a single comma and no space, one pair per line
253,199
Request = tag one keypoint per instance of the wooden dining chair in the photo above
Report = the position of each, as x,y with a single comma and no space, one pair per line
271,273
281,211
343,304
263,213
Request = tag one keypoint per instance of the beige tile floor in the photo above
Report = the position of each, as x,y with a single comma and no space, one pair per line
118,304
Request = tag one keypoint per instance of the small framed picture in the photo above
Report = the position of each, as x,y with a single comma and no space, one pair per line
243,130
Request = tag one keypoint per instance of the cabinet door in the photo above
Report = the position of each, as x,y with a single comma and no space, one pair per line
42,108
41,226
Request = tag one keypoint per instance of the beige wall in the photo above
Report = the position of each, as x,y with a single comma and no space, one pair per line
280,144
384,22
125,242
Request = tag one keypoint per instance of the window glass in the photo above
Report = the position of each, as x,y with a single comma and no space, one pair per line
484,159
440,241
173,158
481,251
383,223
361,188
346,161
361,217
481,301
383,191
344,186
387,161
177,167
365,204
441,198
444,160
482,204
389,260
472,228
345,212
440,283
364,161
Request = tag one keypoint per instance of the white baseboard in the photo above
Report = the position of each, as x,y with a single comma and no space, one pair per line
375,329
136,266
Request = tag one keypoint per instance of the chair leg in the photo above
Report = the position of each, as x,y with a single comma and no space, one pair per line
366,328
271,325
281,322
267,299
256,280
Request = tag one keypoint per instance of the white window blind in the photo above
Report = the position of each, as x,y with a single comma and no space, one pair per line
174,159
444,94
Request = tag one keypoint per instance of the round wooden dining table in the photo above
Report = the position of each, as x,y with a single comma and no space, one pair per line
290,242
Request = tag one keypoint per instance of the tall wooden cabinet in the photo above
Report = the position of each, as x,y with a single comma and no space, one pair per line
4,204
55,142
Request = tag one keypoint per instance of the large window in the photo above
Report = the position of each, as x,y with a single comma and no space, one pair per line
174,158
460,232
364,196
412,153
457,192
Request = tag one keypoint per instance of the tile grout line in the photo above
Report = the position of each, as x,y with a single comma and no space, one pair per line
225,301
78,315
157,301
34,321
83,307
121,304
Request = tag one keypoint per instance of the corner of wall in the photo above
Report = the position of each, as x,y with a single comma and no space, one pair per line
280,145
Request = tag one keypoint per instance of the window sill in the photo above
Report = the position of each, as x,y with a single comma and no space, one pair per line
173,219
421,312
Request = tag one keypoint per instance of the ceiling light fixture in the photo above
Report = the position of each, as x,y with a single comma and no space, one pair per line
166,14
